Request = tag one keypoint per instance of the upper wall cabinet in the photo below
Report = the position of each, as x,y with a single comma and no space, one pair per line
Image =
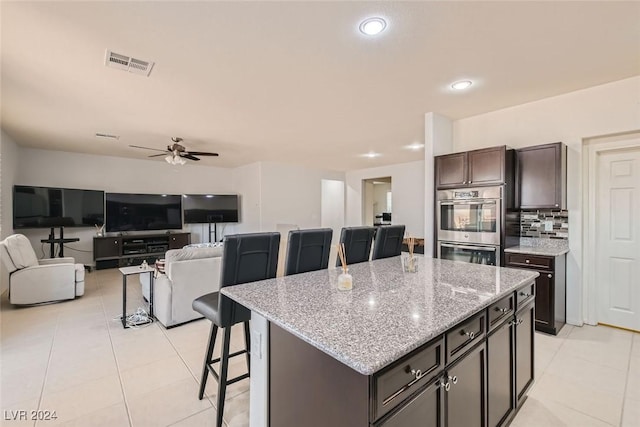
541,173
471,168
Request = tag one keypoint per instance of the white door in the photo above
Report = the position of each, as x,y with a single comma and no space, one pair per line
618,238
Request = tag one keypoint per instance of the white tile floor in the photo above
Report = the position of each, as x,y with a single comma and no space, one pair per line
73,358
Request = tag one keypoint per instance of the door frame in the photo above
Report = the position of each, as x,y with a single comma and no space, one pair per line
593,147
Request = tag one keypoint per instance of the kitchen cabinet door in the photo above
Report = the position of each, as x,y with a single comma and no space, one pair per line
524,337
451,170
465,402
500,357
487,166
424,410
544,299
541,177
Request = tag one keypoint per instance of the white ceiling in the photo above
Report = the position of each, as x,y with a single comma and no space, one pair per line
293,81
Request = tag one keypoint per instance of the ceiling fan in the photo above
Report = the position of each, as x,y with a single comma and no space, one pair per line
177,152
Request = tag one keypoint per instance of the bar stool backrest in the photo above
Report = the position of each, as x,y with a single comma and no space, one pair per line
357,243
246,258
308,250
388,241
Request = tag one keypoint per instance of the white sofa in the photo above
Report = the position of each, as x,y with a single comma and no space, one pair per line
189,273
33,281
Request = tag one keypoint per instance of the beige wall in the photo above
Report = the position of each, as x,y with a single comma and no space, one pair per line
8,171
407,193
571,118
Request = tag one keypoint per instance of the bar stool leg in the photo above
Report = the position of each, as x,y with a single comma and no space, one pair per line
247,345
208,357
224,368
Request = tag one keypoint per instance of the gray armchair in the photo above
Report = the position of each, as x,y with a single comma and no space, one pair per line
33,281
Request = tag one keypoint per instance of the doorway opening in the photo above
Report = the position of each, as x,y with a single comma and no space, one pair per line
377,201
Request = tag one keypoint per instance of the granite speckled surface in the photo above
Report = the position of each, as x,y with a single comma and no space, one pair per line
546,247
388,312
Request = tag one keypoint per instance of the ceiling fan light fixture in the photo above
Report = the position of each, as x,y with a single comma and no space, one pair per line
169,159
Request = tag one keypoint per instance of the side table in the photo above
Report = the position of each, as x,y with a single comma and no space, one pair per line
126,272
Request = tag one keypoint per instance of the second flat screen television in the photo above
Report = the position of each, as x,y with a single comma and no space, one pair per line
140,212
210,208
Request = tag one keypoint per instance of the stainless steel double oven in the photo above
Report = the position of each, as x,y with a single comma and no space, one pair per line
469,222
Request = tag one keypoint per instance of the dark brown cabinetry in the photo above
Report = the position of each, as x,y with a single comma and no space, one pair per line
510,366
120,251
480,384
465,400
541,177
550,288
487,166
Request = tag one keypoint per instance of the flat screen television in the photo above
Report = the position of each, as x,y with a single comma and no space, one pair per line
45,207
141,212
208,208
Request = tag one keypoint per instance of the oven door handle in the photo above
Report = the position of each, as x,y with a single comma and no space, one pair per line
473,248
469,202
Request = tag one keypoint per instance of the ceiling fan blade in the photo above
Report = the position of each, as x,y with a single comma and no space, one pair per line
146,148
189,156
158,155
202,153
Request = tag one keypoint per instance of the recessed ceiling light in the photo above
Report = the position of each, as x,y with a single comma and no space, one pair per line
371,155
373,26
461,85
415,146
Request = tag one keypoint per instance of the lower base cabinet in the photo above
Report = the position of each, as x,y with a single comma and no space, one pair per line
524,331
500,387
510,365
423,410
465,400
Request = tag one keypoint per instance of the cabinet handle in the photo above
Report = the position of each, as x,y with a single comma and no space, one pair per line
464,182
446,386
115,242
557,205
501,310
524,294
470,182
471,334
527,261
417,373
549,276
453,379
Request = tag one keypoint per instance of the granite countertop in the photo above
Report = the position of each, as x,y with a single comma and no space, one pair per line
537,246
388,312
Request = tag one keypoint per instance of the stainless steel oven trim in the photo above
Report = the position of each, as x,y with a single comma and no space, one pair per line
487,238
483,193
495,249
474,247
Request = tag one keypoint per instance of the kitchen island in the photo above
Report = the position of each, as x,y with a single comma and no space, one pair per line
451,344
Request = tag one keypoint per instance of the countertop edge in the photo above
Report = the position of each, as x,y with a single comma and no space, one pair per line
536,251
372,369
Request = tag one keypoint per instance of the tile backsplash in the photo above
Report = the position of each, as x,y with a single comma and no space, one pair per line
548,224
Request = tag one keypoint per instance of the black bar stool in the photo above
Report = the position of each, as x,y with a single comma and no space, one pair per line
388,241
246,258
308,250
357,244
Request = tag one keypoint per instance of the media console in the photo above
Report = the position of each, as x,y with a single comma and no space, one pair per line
122,251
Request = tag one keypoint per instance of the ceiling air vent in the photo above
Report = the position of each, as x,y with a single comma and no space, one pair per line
127,63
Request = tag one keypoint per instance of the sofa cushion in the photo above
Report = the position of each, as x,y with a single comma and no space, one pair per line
20,251
187,254
184,254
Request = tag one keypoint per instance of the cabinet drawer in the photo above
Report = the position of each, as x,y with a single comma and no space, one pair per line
400,380
525,295
526,260
464,336
500,310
